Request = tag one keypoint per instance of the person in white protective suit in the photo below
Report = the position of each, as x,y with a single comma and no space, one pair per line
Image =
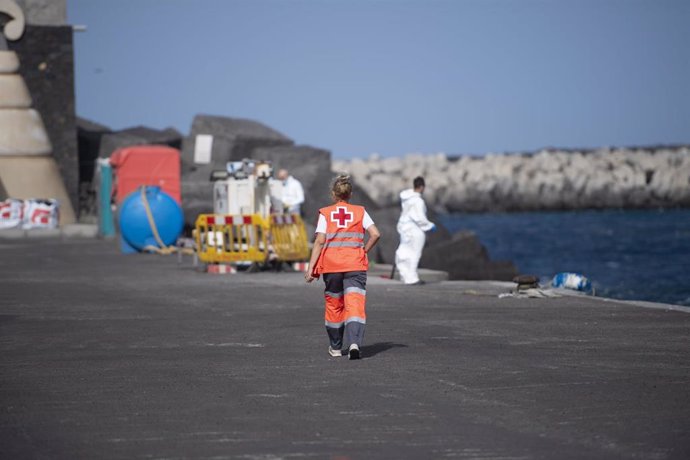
411,227
293,193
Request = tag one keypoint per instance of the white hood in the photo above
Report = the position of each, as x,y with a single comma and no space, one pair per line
409,193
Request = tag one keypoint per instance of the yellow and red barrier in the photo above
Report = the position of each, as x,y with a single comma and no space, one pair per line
289,238
250,238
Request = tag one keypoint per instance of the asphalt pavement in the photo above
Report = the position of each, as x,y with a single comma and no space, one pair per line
104,355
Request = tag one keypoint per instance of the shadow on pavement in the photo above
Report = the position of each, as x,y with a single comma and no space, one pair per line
372,350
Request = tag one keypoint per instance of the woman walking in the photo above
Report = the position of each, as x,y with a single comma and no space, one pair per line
340,255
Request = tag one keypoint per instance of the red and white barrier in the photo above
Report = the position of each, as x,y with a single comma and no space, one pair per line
220,269
301,266
229,220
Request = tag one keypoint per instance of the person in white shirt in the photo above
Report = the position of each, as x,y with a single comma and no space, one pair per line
293,193
411,227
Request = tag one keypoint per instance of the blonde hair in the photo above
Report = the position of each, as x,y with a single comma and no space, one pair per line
342,187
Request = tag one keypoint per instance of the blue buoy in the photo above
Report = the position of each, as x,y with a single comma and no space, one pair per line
573,281
135,227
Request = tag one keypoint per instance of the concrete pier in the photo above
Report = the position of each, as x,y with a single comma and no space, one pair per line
104,355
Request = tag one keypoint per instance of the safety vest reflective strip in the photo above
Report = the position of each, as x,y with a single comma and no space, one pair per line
344,244
330,236
356,319
355,290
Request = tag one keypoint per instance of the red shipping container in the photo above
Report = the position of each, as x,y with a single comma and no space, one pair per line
146,165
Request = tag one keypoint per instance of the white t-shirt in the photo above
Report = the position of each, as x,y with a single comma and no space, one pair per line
321,224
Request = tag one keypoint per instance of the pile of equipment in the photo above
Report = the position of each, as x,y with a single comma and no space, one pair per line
248,224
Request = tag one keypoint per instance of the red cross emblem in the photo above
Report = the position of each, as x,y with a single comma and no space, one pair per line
341,217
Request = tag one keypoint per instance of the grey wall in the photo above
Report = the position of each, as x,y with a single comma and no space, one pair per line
44,12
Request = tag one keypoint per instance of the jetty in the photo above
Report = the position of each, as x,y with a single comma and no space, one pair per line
104,355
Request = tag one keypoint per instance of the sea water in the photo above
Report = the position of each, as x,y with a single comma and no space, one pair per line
631,255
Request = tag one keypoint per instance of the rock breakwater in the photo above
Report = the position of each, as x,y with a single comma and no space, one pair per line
550,179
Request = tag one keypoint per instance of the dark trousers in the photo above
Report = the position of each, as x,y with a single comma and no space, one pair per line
345,296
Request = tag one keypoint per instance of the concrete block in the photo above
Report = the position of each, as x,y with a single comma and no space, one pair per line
13,92
22,133
12,233
79,231
9,62
43,233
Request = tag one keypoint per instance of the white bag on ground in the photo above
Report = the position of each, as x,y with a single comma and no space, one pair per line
41,213
11,213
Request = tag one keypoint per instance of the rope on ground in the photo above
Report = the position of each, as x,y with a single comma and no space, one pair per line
161,249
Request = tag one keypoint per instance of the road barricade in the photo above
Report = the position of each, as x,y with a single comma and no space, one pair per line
228,238
250,238
289,238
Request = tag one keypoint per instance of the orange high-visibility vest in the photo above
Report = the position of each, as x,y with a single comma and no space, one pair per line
344,247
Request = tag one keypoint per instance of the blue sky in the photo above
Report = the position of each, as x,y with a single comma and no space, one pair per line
394,77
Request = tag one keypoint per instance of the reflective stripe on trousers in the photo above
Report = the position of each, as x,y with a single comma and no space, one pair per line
345,296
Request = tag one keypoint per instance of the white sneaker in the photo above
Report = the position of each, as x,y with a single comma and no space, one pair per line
354,351
334,353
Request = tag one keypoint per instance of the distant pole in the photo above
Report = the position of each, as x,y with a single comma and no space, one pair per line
105,213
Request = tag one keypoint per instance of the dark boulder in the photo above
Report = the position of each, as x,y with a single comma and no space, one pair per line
168,136
310,165
361,198
386,220
461,255
465,258
197,198
89,135
138,135
234,139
